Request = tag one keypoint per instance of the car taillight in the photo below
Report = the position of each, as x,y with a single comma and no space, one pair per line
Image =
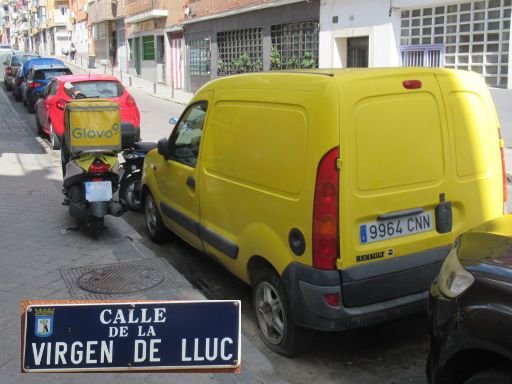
8,71
130,102
61,104
326,212
503,169
99,167
34,84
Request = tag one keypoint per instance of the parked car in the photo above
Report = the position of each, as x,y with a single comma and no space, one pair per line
335,193
37,79
22,76
11,64
471,309
50,107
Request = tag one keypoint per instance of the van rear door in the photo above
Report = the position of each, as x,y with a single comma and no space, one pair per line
399,192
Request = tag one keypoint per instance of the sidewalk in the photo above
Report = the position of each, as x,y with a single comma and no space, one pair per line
41,257
146,86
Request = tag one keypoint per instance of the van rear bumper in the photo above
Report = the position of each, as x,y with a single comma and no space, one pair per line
307,286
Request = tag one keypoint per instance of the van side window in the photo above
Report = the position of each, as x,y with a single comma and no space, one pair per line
185,140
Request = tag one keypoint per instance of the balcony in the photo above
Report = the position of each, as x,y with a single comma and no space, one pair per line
102,10
142,10
59,18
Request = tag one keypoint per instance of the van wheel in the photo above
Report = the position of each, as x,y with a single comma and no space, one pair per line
154,224
493,375
277,328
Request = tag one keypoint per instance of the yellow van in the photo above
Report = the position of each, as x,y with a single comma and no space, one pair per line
335,193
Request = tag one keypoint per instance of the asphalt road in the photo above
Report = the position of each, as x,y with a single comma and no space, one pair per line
394,352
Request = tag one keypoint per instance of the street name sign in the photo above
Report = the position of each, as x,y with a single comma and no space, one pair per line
64,336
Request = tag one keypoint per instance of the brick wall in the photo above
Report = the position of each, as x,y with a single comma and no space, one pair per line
200,8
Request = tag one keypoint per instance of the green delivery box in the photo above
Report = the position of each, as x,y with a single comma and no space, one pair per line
92,125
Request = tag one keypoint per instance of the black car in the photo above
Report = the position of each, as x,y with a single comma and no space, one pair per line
16,84
470,309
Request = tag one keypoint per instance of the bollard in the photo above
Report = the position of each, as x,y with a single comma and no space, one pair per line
112,71
130,80
81,59
172,89
121,75
154,87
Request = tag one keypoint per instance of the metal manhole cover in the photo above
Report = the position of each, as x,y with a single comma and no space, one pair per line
120,279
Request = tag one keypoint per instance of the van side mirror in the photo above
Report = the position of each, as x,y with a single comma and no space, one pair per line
173,120
163,147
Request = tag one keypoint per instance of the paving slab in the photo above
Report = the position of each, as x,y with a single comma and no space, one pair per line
38,247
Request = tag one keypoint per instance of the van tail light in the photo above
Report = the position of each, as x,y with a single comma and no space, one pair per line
326,212
99,167
34,84
8,71
412,84
61,104
130,102
503,169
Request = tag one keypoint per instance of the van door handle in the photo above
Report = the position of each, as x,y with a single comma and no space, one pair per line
191,182
397,214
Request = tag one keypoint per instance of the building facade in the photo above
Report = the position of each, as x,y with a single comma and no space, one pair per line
79,32
149,41
470,35
224,38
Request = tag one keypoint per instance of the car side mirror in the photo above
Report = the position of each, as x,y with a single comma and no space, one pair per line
163,147
173,120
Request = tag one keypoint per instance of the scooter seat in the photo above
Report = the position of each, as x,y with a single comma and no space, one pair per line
144,146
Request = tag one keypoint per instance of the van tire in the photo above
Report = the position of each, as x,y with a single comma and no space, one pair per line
292,340
154,224
493,375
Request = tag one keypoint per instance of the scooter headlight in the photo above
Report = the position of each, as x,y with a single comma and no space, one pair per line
129,156
453,279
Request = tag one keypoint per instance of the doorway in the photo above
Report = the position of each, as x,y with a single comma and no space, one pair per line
357,52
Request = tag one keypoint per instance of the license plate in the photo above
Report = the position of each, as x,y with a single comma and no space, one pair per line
98,191
402,226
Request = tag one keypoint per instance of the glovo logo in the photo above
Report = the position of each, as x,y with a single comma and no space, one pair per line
84,133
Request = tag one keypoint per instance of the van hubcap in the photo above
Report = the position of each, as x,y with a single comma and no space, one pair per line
270,312
150,214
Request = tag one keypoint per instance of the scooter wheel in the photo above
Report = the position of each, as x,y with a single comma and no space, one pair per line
96,226
129,194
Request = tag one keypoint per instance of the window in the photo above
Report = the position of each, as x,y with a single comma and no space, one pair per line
47,74
101,89
199,57
186,138
295,45
148,47
471,29
240,51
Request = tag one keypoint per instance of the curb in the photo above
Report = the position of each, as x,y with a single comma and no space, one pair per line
162,97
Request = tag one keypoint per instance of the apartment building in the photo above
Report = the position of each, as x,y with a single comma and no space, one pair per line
152,39
105,18
79,29
469,35
228,37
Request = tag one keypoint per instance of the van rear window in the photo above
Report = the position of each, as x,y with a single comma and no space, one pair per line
102,89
